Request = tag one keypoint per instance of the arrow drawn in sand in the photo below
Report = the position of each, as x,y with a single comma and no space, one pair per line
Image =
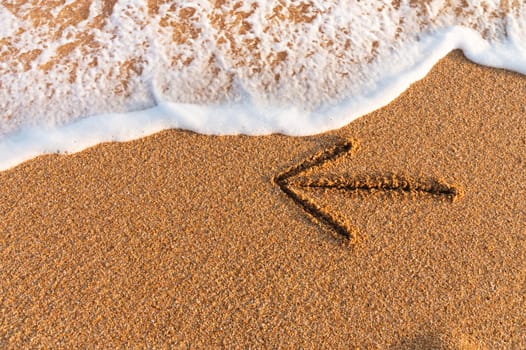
295,181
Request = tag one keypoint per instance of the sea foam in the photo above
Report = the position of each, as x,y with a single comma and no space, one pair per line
86,74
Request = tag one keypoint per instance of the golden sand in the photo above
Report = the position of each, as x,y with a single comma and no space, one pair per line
185,240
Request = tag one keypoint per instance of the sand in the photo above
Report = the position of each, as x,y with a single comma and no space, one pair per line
181,240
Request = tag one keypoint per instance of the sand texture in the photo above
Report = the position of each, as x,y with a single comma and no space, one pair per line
182,240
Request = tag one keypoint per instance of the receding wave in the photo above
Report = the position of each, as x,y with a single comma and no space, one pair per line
77,72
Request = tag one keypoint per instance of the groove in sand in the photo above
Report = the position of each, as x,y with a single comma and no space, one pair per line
289,182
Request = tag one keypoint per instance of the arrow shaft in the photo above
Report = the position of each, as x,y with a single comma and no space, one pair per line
386,184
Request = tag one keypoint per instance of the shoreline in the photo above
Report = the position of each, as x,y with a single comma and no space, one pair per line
251,118
181,239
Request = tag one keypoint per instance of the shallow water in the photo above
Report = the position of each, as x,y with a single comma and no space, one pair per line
75,73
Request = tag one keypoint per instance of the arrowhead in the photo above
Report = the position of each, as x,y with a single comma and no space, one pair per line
295,182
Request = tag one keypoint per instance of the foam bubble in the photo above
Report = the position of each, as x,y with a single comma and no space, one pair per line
91,72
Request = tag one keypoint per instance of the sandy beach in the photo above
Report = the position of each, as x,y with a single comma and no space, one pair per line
181,240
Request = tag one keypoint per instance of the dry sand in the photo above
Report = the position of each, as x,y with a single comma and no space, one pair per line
184,240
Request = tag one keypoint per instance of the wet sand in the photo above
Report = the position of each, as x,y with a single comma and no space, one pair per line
181,240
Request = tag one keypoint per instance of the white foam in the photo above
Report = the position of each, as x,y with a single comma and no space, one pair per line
214,94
